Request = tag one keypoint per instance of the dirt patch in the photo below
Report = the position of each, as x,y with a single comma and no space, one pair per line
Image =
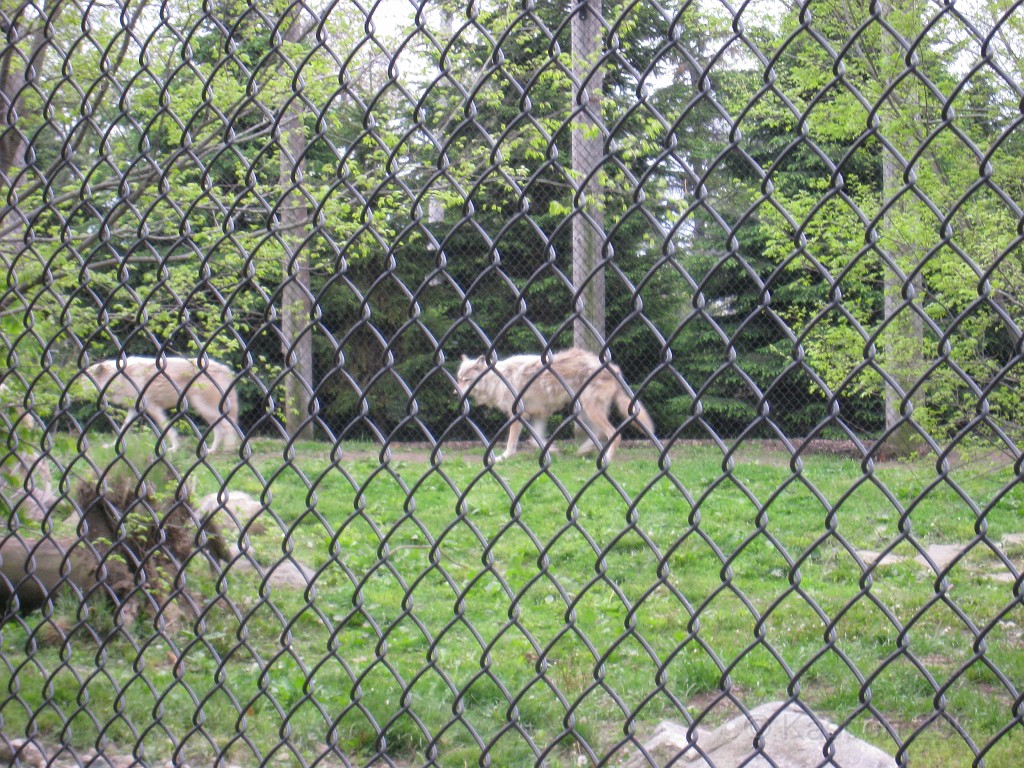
468,449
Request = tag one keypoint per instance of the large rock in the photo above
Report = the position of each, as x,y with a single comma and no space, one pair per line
233,508
236,508
791,740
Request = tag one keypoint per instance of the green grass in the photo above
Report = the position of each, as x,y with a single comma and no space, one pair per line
461,611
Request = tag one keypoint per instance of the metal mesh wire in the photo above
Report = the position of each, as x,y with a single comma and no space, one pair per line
255,515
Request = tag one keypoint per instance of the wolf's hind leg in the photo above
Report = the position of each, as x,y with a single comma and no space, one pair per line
539,431
595,416
221,425
589,431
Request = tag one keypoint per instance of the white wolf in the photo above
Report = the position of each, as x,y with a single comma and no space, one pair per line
527,389
153,385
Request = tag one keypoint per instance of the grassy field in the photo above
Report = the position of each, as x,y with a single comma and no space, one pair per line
522,613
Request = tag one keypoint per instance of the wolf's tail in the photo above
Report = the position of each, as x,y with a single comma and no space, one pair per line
633,409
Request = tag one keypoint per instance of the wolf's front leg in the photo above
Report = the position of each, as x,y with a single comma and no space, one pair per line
515,428
539,433
161,422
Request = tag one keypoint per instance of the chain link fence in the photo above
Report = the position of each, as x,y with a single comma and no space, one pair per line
281,277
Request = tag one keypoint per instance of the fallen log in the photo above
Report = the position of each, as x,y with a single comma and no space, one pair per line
34,571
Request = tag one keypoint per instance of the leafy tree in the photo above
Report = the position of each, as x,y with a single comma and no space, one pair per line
272,182
834,224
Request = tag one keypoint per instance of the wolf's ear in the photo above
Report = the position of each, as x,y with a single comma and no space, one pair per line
465,359
94,373
482,360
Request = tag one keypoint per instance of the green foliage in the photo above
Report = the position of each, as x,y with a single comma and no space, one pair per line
833,232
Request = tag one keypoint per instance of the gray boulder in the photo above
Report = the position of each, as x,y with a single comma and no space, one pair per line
791,740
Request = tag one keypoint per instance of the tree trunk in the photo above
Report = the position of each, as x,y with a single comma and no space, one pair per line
588,238
16,68
296,296
903,357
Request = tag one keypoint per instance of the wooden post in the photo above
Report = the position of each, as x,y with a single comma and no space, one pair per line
588,238
296,296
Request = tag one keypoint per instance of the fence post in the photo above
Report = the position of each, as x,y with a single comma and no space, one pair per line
588,238
296,296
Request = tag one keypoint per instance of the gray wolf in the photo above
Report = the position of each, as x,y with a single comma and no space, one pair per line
526,389
152,385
